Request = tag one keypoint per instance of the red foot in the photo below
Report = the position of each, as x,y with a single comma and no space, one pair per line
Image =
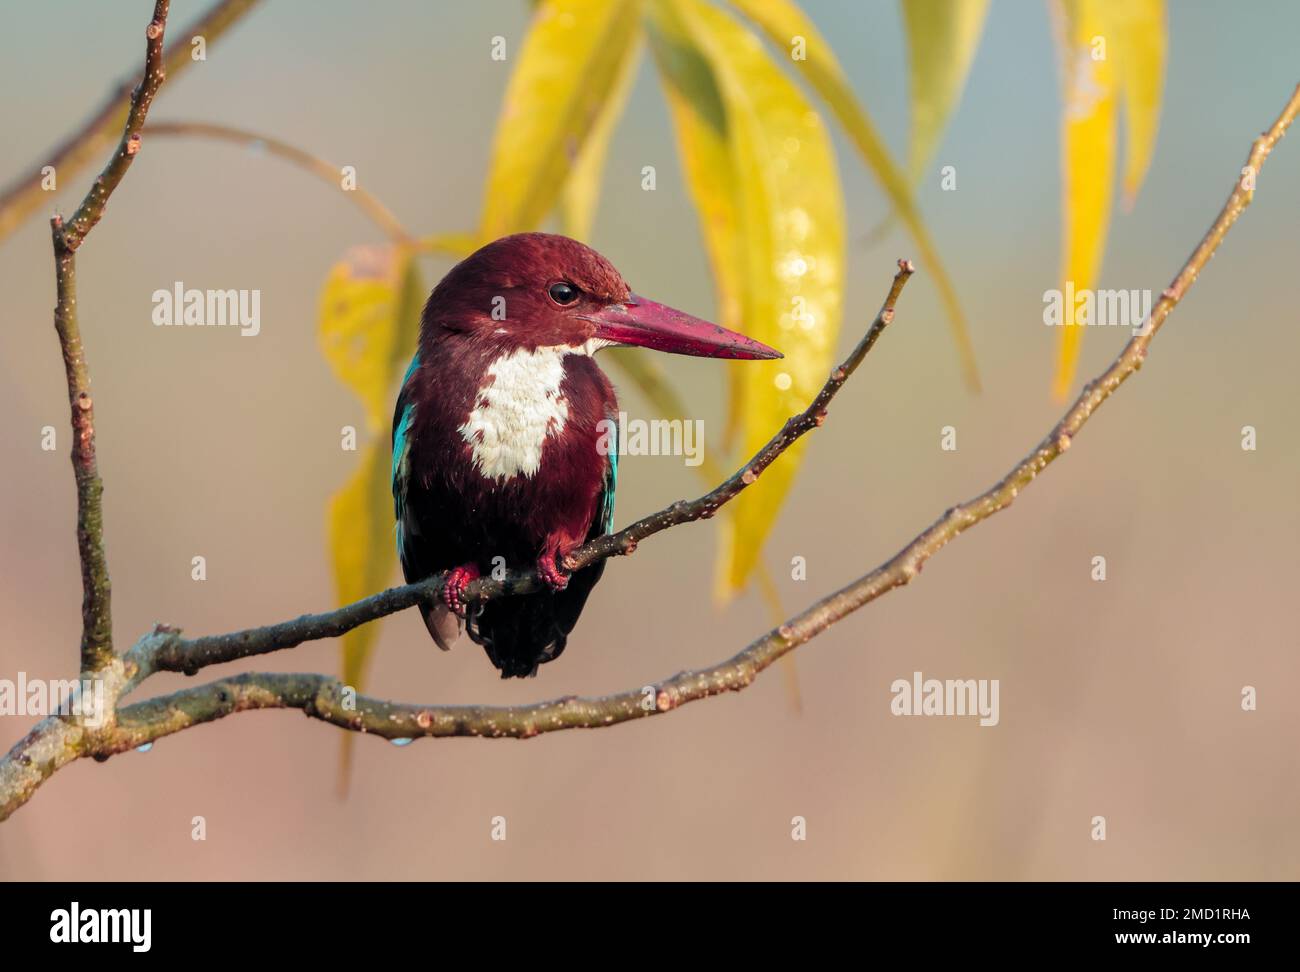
553,576
453,591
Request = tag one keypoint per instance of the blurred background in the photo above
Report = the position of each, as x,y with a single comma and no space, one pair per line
1120,699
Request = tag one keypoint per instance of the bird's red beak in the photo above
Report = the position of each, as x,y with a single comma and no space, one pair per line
646,324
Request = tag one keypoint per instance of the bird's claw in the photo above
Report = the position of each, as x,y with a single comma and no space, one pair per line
453,589
552,575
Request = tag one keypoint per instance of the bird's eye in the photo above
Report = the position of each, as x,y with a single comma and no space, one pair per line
563,293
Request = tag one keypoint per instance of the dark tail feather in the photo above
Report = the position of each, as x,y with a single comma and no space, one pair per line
523,631
443,624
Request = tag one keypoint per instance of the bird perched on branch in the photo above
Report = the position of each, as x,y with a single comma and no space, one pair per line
502,452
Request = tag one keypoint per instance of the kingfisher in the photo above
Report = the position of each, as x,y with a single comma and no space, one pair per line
505,435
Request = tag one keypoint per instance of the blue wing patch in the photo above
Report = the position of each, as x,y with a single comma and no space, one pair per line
611,481
401,454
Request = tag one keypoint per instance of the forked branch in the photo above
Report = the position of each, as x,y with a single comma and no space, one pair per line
27,194
96,613
59,740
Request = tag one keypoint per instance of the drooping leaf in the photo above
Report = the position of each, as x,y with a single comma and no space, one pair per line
359,324
411,295
1110,49
700,123
582,187
1143,39
650,379
360,531
565,71
942,36
369,319
784,23
790,245
457,245
1088,135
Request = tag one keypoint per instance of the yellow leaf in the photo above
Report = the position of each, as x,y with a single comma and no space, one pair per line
942,36
361,546
358,328
1143,39
564,74
700,123
784,22
458,245
411,294
369,321
642,370
360,531
582,188
790,243
1088,52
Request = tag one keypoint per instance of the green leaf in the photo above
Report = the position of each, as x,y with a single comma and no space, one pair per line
566,70
783,22
788,240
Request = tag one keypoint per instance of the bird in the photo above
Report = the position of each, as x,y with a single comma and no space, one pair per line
504,440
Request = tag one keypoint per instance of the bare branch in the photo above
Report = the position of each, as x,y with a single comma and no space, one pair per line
57,741
51,745
322,697
91,209
380,214
456,245
96,589
26,194
168,651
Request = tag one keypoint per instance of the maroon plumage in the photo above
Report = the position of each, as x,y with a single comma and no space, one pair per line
498,434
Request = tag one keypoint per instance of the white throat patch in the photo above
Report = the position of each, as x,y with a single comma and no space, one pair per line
516,411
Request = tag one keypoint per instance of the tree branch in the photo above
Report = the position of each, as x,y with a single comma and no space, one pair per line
166,650
57,741
92,206
321,697
380,214
96,588
26,194
456,245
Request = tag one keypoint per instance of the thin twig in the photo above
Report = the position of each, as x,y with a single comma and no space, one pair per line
456,245
27,194
325,698
57,741
168,651
91,210
96,588
380,214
